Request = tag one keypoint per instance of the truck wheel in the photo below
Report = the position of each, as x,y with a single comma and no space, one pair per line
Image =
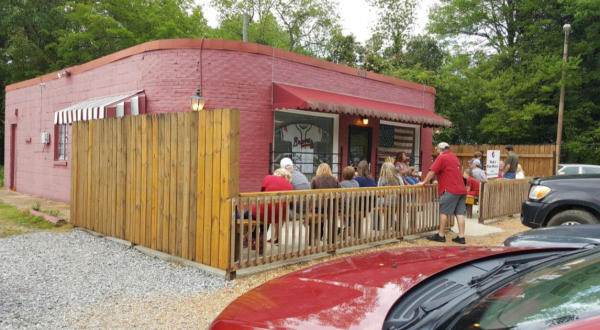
573,217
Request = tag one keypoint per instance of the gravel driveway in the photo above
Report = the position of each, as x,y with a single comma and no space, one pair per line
64,280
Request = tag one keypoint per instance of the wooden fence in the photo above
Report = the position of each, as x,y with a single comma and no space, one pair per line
317,221
536,160
161,181
498,198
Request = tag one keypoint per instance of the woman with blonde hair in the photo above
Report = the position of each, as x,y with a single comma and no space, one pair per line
520,172
324,178
388,176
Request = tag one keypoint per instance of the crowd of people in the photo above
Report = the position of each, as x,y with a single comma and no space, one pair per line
446,170
509,169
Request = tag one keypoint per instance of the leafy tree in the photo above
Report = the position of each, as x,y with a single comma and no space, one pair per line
396,19
496,22
344,49
307,24
99,28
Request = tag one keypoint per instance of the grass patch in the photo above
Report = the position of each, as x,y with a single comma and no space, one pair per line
15,222
37,207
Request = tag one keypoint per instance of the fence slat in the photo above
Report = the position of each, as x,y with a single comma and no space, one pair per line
208,187
216,189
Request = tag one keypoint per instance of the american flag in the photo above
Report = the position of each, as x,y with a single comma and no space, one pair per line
393,139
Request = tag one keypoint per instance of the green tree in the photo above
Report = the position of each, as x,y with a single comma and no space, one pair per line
396,18
99,28
307,24
344,49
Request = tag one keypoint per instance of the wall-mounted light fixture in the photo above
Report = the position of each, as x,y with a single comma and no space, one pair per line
365,120
197,101
437,131
63,73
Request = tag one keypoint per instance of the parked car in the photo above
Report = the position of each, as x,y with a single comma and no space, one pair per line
562,200
566,169
430,288
560,236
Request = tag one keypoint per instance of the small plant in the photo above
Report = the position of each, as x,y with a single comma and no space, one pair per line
37,206
53,213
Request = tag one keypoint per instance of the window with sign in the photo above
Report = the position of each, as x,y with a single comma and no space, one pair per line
307,138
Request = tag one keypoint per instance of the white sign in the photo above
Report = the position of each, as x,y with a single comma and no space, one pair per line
493,163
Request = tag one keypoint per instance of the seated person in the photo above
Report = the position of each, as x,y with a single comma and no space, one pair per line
348,175
472,183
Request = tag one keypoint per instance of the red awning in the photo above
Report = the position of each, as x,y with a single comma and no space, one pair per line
292,97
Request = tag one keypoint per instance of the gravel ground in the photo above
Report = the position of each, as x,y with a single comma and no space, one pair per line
75,280
199,310
60,281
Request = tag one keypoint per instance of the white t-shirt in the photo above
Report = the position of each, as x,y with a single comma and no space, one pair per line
303,138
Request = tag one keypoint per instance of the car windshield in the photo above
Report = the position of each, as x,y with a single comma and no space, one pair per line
558,293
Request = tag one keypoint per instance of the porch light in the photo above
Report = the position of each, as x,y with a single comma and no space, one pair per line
365,120
437,131
197,101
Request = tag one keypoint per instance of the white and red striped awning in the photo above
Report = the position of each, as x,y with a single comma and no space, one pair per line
96,108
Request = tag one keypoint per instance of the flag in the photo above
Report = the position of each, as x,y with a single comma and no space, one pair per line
394,139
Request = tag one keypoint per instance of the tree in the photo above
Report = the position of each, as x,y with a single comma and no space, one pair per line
494,21
425,53
98,28
307,24
396,19
344,49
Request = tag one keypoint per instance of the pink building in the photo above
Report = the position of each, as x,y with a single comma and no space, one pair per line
291,105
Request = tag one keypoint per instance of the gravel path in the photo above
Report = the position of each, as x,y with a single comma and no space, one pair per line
58,280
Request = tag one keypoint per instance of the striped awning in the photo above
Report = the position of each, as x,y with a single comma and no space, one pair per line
90,109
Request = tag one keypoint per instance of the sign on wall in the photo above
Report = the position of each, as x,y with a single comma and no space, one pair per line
493,163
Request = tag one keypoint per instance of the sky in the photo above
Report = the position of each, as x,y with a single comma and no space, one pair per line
356,16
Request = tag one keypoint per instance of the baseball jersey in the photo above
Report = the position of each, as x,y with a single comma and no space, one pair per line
303,138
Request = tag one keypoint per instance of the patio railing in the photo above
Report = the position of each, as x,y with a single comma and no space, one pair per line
499,198
317,221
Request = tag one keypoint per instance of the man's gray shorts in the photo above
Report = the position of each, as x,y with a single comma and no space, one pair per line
451,204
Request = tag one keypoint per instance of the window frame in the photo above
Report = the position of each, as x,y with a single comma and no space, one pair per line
61,151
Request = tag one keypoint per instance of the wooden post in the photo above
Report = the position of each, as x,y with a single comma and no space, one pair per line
482,202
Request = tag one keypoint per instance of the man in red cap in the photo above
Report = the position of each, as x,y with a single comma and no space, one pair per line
452,191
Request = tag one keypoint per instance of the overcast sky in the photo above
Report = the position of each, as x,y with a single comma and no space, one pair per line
356,15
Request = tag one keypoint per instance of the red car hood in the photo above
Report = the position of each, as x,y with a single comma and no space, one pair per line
350,293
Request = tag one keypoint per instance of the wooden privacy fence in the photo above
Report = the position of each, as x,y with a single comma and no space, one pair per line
317,221
161,181
536,160
498,198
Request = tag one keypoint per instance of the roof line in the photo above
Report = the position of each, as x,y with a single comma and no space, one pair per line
231,45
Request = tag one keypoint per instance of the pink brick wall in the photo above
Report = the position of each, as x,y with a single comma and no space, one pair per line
229,79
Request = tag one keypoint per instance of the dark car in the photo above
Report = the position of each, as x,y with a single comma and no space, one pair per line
450,288
560,236
562,200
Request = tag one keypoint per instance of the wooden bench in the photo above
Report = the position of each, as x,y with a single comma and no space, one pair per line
471,200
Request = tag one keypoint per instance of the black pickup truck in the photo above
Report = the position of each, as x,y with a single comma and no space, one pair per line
562,200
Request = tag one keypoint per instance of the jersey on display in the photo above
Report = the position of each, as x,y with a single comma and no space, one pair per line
303,138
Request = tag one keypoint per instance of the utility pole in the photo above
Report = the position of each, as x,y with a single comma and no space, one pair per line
245,30
561,105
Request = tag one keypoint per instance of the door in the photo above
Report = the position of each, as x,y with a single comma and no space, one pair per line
359,145
13,155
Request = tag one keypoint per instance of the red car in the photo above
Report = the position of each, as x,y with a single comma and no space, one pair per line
430,288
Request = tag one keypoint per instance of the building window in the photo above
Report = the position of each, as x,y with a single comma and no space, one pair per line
307,138
63,142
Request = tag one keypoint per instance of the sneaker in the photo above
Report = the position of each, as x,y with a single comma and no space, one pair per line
459,240
437,238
